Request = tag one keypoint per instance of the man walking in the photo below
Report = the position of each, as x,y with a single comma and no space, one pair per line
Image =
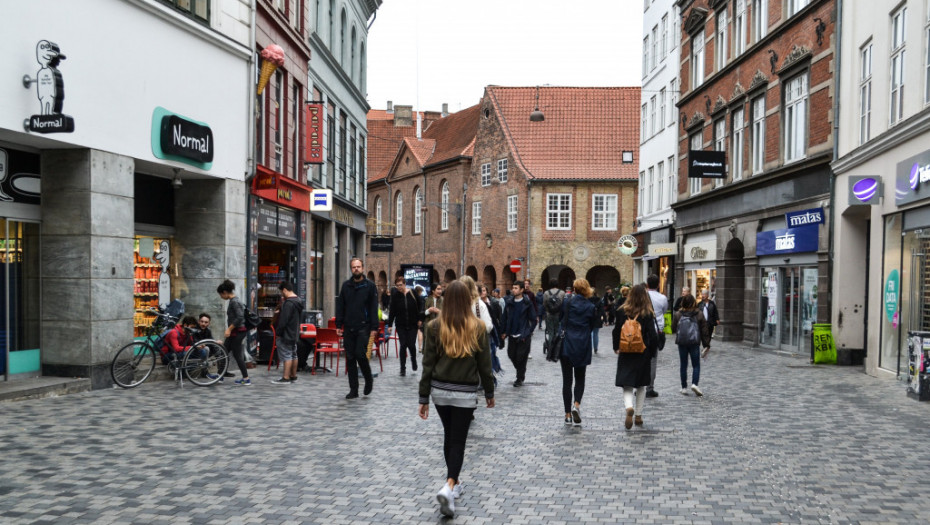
286,332
518,324
357,316
552,305
406,317
660,306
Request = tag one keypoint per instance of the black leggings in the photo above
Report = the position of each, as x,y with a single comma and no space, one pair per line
567,370
455,423
407,337
234,346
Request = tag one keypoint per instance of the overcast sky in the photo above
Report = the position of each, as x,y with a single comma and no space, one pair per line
457,47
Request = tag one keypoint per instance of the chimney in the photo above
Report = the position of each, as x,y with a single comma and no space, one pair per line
445,109
390,107
403,116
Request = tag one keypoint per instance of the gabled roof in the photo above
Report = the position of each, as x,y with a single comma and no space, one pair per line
454,135
384,138
584,133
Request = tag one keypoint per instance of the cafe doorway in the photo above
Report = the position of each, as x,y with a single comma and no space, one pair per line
277,263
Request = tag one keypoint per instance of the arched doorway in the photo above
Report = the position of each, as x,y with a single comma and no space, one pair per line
490,277
472,272
556,272
600,277
450,276
382,280
507,280
566,277
371,276
731,293
433,277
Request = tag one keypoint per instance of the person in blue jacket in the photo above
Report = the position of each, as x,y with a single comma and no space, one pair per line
518,324
578,319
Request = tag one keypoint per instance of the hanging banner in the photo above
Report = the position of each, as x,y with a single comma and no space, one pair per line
313,142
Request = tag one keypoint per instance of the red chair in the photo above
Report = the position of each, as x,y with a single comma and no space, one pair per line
331,323
385,339
328,342
274,344
308,332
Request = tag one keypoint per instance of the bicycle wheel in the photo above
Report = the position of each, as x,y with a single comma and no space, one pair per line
133,364
205,359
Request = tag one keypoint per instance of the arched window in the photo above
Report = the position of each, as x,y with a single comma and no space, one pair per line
378,216
342,40
444,200
417,210
399,210
363,69
352,51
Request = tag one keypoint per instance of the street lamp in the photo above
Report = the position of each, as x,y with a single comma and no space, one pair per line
536,115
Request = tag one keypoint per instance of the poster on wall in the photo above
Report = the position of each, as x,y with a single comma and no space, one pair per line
771,291
417,275
809,305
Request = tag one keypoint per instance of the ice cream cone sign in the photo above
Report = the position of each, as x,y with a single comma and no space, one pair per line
272,58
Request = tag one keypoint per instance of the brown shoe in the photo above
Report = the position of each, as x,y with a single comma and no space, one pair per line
638,421
628,422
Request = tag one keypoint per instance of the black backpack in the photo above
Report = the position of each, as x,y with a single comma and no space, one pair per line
252,319
553,303
688,331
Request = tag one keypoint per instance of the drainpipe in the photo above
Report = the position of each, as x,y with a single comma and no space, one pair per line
462,220
423,211
250,147
390,199
529,200
838,31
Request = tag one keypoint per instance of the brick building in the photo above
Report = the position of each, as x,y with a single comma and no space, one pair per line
757,84
416,198
556,194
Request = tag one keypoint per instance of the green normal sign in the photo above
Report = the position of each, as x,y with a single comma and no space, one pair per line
892,286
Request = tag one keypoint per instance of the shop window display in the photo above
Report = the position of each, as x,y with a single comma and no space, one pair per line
151,279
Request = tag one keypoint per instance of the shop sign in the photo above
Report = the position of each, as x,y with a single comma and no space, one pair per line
50,90
707,164
341,214
911,177
627,244
865,190
277,221
700,251
891,296
275,187
382,244
321,200
804,217
662,249
178,138
268,269
789,240
313,142
287,223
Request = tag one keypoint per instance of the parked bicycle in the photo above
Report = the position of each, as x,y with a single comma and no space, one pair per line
203,363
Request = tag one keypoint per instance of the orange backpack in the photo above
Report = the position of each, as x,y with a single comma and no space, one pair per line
631,337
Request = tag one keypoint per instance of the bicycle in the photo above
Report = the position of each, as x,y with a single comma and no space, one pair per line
136,361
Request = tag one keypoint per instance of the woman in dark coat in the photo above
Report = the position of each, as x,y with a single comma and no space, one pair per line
633,370
578,318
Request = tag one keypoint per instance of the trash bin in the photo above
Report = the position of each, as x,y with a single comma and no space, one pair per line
918,365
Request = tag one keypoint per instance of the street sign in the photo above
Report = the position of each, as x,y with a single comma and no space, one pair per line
515,266
321,200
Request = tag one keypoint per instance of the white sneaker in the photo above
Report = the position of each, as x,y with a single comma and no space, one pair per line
684,391
457,491
696,390
705,351
576,416
446,500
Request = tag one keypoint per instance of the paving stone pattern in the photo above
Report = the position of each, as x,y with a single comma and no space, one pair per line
774,440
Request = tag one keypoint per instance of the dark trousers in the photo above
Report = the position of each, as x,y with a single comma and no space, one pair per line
518,350
356,347
455,424
234,345
653,365
552,326
407,339
567,371
694,352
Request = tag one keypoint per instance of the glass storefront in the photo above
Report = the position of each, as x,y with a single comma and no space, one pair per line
700,279
905,304
19,299
788,307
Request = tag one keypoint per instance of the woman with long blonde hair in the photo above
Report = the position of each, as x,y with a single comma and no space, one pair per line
634,369
456,361
477,305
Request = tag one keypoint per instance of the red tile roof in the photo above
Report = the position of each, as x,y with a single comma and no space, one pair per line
454,135
583,136
384,139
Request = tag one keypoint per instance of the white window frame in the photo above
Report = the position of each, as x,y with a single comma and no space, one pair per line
399,214
696,143
796,5
757,134
502,170
642,125
897,65
672,180
739,28
720,44
697,59
739,139
663,47
796,117
645,56
476,218
652,117
511,213
604,212
650,189
418,210
642,192
720,142
378,206
444,203
760,19
661,113
865,93
660,186
654,51
558,211
486,174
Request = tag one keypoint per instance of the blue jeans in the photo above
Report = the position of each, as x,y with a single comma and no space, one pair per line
594,337
695,352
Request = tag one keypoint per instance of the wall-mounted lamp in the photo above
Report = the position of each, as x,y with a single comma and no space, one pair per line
488,240
536,115
177,182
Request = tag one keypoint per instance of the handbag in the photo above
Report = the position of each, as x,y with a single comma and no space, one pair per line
554,350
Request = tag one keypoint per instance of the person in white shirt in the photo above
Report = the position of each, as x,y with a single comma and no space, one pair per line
660,306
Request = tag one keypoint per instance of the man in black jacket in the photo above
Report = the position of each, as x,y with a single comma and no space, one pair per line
357,316
286,333
406,315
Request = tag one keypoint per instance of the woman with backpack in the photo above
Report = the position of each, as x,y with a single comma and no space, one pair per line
579,318
456,360
636,341
692,331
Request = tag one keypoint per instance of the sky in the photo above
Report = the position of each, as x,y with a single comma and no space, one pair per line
426,52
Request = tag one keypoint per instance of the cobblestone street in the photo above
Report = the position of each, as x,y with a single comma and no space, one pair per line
773,440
